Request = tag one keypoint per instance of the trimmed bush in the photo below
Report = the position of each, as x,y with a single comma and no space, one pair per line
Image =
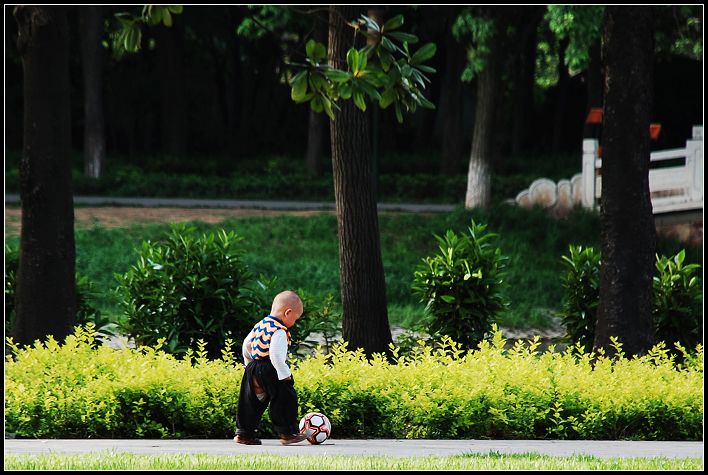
80,390
461,285
677,299
582,290
187,288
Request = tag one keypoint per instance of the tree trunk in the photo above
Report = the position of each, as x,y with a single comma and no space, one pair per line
451,99
170,47
91,21
479,176
364,311
316,129
317,122
627,233
46,290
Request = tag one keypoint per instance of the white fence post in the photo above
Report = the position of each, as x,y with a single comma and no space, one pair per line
590,147
694,164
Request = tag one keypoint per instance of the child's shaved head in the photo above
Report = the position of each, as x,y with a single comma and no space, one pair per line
284,300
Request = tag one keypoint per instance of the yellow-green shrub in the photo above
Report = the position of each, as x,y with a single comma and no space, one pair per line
79,390
498,393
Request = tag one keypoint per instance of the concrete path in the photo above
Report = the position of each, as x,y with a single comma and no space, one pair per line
381,447
243,204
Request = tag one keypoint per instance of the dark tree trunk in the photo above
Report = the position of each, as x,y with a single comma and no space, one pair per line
479,176
453,138
91,21
627,233
45,292
316,129
170,52
364,312
317,122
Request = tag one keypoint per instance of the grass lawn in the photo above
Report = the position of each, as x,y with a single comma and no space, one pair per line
493,461
302,251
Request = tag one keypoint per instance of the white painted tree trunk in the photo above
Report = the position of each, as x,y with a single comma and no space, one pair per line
479,179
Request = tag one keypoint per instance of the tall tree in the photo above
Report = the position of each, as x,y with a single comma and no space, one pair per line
388,72
91,26
363,287
489,28
627,232
317,123
45,295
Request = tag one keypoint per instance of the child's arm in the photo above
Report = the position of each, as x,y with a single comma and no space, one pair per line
279,354
246,350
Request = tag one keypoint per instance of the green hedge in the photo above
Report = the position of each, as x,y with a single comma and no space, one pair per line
79,390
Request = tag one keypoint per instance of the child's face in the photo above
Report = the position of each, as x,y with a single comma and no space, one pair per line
291,315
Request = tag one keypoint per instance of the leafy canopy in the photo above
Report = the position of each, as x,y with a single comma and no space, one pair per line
387,71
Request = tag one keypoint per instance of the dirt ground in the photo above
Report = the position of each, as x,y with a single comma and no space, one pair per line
116,217
121,216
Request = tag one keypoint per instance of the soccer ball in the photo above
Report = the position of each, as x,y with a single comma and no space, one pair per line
316,426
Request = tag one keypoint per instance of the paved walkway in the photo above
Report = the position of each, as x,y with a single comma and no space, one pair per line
381,447
243,204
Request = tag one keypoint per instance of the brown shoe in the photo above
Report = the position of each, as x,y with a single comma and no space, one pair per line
239,439
287,439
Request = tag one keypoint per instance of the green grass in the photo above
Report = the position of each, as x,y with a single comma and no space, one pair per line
303,253
492,461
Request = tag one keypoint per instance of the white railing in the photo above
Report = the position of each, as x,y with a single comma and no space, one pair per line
676,188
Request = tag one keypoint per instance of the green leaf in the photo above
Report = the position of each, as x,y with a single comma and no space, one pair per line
369,89
166,18
370,23
359,101
327,104
387,98
386,59
426,52
316,104
315,51
362,60
318,81
426,69
404,37
335,75
393,23
399,115
353,60
153,14
175,8
425,102
132,38
386,43
448,298
299,85
345,90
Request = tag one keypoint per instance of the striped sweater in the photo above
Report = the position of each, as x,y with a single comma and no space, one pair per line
261,335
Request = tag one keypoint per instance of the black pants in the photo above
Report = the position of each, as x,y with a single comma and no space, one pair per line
281,396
